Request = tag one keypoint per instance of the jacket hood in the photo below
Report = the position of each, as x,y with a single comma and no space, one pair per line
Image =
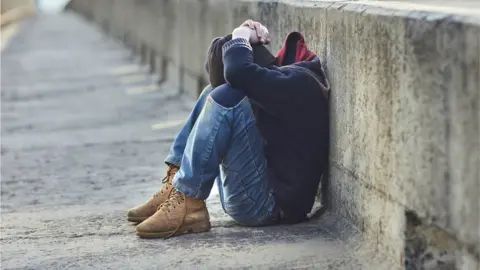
294,50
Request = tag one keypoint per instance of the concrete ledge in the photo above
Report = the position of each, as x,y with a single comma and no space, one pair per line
405,106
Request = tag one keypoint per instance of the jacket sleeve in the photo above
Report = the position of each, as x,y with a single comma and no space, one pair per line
269,87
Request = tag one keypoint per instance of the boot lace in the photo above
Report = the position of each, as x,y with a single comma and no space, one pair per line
175,199
166,180
166,185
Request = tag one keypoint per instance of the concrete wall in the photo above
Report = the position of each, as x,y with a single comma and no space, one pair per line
405,104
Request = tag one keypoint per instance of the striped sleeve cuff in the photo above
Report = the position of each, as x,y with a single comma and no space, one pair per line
238,42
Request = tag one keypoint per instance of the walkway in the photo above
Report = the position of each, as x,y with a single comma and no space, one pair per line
84,133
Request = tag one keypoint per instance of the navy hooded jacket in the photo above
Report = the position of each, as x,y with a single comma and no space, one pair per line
290,101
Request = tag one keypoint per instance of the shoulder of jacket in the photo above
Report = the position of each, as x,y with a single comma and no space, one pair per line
324,88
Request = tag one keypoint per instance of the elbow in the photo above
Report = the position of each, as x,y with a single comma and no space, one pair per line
234,76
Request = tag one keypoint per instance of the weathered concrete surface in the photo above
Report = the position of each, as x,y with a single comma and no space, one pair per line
405,101
84,134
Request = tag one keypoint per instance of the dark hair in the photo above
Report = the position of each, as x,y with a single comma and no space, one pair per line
214,64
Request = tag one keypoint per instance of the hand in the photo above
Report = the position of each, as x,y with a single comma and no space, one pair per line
253,31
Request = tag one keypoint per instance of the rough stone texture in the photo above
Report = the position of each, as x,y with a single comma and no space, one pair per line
405,100
84,133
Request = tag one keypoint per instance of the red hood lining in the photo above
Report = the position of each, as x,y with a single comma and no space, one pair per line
295,41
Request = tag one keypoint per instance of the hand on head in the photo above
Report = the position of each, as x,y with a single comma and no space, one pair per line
253,31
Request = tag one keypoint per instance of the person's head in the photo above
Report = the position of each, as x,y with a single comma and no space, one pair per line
261,56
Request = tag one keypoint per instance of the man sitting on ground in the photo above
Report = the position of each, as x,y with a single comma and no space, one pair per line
260,130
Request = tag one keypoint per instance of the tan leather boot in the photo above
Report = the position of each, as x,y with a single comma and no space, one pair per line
178,215
144,211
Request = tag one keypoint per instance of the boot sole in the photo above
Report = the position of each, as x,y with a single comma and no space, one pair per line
192,228
136,219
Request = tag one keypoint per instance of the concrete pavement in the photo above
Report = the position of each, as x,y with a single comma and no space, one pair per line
84,133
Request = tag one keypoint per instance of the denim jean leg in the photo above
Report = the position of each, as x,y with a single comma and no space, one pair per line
246,194
178,147
228,137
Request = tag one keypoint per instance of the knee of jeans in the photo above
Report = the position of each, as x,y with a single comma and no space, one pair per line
227,96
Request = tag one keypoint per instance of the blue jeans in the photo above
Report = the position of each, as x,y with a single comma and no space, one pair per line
222,143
